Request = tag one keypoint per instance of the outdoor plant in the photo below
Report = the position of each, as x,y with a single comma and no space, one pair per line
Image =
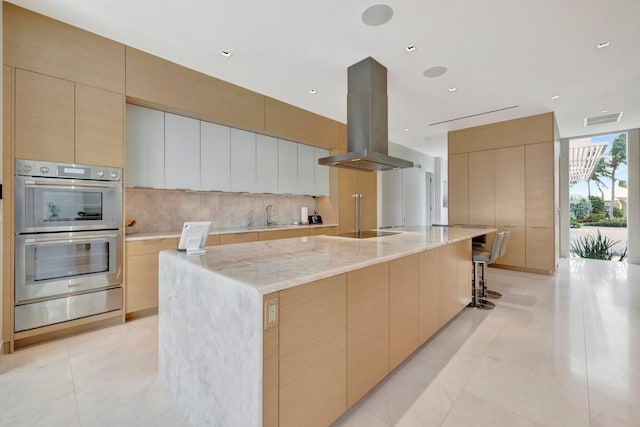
579,207
595,247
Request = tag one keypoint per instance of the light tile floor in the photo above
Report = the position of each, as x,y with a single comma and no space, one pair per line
557,351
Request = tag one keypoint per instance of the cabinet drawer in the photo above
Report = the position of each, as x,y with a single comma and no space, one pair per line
227,239
283,234
318,231
142,247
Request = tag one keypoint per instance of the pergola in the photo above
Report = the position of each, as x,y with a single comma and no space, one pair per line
583,157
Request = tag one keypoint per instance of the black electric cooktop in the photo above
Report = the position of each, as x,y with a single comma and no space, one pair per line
366,234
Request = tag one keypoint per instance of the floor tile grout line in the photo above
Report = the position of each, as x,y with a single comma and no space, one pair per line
73,381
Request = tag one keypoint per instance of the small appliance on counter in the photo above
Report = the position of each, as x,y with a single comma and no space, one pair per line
315,218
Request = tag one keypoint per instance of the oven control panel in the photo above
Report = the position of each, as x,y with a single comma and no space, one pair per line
67,170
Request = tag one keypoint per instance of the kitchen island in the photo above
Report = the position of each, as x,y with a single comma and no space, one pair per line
295,331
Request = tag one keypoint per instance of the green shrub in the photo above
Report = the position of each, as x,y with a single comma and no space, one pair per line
605,224
617,212
595,217
597,205
574,224
579,207
594,247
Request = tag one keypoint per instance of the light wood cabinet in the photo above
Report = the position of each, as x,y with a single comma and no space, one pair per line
283,234
59,121
539,185
355,182
312,350
448,283
482,187
429,294
99,127
404,308
287,167
464,274
270,366
44,117
141,274
228,239
215,157
306,170
367,329
39,43
540,253
266,164
181,152
510,188
458,188
7,148
243,161
317,231
515,254
145,147
321,174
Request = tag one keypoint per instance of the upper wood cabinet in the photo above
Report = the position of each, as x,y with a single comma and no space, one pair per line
459,188
158,83
145,147
366,184
44,118
482,187
266,164
404,308
312,350
290,122
59,121
510,188
243,161
38,43
99,127
181,152
215,157
539,185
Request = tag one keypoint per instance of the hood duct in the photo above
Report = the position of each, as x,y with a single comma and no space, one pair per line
367,127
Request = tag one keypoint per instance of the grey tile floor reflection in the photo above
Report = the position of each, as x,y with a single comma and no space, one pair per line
557,351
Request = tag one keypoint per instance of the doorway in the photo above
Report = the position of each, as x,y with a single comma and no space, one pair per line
598,197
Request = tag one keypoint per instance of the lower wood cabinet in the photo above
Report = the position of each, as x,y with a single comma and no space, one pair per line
429,294
540,252
464,275
455,279
228,239
404,308
515,254
367,329
313,351
283,234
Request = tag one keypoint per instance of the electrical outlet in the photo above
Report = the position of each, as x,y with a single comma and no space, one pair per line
270,313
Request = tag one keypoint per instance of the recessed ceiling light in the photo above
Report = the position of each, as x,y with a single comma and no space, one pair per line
603,44
226,53
436,71
410,48
378,14
604,111
407,129
554,97
312,91
453,89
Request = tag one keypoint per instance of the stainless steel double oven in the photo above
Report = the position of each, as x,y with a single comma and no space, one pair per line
68,243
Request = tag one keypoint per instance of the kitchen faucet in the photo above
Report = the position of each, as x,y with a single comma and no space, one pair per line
267,217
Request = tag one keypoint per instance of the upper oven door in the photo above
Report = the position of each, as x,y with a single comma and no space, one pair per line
62,263
58,204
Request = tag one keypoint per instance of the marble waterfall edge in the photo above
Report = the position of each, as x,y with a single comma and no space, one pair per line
210,343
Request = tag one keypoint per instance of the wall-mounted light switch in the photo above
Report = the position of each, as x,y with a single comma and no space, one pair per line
270,313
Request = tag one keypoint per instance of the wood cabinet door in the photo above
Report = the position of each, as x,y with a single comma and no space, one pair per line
44,118
367,185
181,152
540,253
215,157
539,184
228,239
99,126
482,187
266,164
429,294
144,147
515,254
283,234
404,308
306,170
367,329
458,188
141,282
313,353
448,283
510,196
347,203
464,274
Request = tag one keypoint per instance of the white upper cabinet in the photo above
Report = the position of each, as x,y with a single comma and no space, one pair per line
287,167
306,170
145,147
266,164
243,161
181,152
321,185
215,157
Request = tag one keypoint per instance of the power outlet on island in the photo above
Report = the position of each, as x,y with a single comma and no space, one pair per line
270,313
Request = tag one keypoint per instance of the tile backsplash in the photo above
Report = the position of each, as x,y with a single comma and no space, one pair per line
166,210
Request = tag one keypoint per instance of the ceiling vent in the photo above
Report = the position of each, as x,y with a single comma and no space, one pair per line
603,119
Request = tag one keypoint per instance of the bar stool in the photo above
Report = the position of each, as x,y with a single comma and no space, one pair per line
488,293
482,258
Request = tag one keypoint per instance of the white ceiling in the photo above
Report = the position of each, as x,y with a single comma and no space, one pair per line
499,53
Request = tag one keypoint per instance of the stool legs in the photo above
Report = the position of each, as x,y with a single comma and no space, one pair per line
479,287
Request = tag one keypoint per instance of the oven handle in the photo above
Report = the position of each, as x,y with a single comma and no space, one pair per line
62,239
70,183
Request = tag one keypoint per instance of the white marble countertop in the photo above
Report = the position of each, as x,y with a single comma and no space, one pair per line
274,265
227,230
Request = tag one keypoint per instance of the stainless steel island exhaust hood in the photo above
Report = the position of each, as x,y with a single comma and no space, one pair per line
367,128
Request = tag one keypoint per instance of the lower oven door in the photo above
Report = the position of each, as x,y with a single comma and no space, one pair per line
56,264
